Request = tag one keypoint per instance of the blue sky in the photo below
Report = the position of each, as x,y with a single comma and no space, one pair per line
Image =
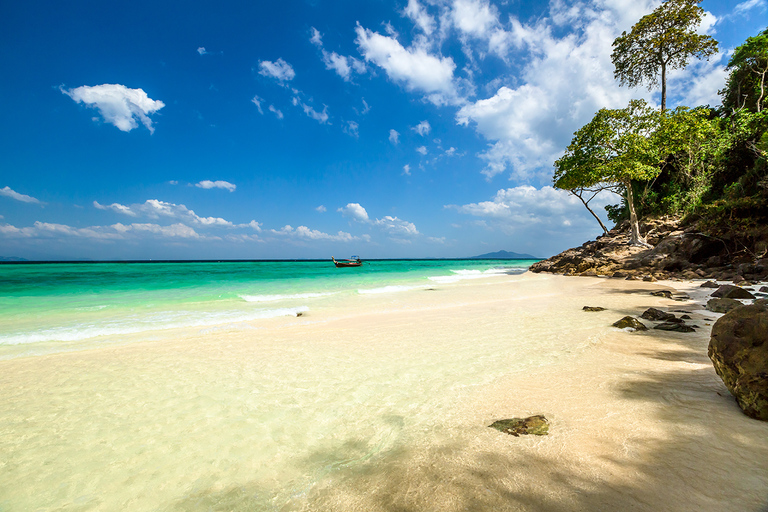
311,128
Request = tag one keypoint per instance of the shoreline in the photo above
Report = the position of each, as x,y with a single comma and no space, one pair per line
637,420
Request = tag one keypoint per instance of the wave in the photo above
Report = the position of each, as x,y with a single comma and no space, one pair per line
275,298
392,289
460,275
135,325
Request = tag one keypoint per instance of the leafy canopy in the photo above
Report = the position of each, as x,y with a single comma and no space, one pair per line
748,66
662,40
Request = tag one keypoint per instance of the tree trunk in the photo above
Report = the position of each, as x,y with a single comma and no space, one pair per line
635,238
762,91
663,86
605,230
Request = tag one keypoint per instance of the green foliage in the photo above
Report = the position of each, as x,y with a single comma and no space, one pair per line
661,41
746,85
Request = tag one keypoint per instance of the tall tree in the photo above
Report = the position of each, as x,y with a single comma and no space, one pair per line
749,68
613,150
661,41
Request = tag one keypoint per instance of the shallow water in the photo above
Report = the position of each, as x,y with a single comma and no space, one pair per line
374,401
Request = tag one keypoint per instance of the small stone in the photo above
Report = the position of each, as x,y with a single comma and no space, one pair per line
631,278
763,289
619,274
674,326
649,279
592,308
662,293
738,279
685,317
709,284
536,425
630,322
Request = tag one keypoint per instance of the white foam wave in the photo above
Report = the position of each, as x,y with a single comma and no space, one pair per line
391,289
275,298
460,275
135,325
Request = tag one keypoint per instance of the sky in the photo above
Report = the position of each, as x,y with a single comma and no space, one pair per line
312,128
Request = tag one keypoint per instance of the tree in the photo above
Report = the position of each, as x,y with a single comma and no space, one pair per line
611,151
748,66
661,41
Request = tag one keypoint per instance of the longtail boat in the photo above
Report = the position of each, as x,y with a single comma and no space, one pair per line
354,261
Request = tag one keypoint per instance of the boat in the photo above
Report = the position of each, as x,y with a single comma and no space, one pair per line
354,261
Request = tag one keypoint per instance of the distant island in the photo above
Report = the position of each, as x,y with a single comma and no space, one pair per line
504,255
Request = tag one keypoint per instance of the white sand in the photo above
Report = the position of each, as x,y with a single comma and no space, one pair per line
384,405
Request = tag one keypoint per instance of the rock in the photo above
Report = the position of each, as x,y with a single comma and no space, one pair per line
722,305
619,274
760,302
685,317
536,425
738,279
630,322
631,278
662,293
656,315
674,326
763,289
589,273
709,284
739,350
729,291
592,308
649,279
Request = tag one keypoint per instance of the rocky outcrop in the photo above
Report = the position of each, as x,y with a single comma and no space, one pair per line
677,251
536,425
729,291
722,305
739,350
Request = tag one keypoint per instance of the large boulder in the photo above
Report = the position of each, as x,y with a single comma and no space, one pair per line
722,305
729,291
739,350
630,322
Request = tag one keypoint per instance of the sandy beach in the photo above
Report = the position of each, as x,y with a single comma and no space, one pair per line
384,405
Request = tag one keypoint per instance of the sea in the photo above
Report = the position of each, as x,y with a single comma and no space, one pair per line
51,307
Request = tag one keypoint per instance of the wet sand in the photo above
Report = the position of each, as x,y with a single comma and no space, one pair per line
384,405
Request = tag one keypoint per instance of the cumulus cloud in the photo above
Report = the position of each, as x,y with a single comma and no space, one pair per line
414,67
207,184
352,128
423,128
524,207
9,192
117,104
344,66
116,207
422,150
391,225
419,15
321,209
394,137
114,232
279,70
155,209
313,234
407,169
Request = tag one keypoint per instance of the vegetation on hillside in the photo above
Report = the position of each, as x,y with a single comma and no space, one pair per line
707,164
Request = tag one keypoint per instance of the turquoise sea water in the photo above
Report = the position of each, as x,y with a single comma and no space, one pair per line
48,307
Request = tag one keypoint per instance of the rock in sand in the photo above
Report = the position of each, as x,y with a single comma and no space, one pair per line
631,322
536,425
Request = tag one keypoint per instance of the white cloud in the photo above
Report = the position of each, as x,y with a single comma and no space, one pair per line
279,70
415,67
416,12
116,207
525,207
423,128
320,117
275,111
744,7
321,209
257,101
207,184
117,104
344,66
355,212
114,232
407,169
201,51
352,128
313,234
394,137
9,192
422,150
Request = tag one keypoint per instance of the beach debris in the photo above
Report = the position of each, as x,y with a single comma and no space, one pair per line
630,322
729,291
536,425
662,293
739,350
709,284
678,326
656,315
722,305
592,308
